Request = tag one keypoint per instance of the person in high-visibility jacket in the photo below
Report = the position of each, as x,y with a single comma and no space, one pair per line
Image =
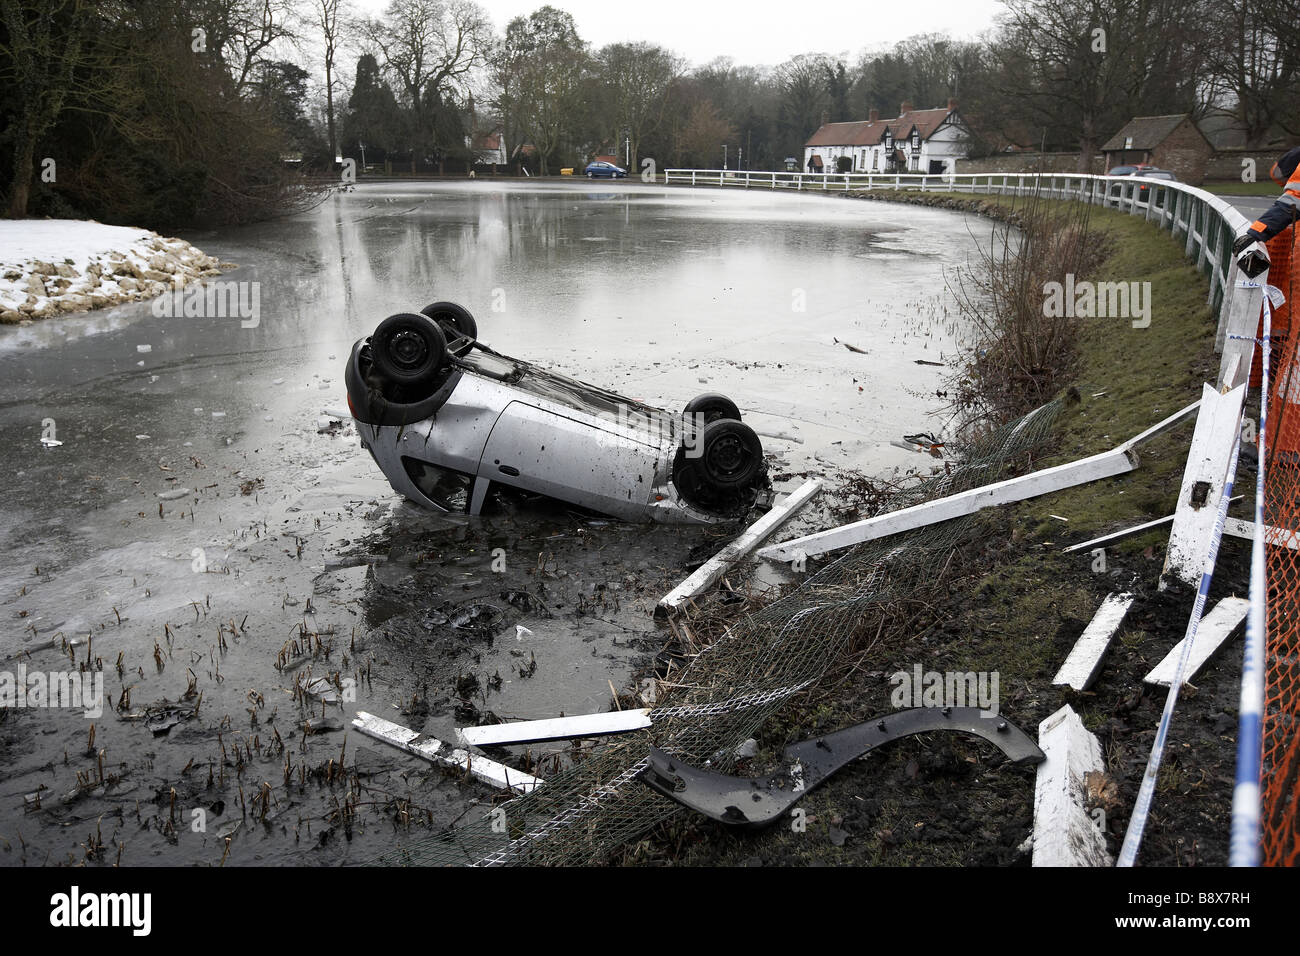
1279,216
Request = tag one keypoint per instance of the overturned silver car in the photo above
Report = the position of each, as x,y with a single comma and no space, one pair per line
446,418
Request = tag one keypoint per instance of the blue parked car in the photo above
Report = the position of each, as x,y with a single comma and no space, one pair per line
605,170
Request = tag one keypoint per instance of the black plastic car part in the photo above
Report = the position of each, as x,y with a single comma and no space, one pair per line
760,801
375,402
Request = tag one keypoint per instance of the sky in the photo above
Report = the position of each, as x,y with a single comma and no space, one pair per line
754,32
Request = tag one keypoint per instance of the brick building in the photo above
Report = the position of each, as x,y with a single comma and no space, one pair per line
1172,142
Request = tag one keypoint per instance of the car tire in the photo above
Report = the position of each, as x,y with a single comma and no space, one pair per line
731,456
409,350
591,175
711,406
458,318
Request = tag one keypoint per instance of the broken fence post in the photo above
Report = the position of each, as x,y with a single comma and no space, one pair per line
1119,535
1218,429
1084,661
1066,831
1215,629
1107,464
709,572
556,728
1235,338
435,751
1273,536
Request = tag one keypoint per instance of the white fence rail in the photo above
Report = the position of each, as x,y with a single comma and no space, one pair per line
1207,222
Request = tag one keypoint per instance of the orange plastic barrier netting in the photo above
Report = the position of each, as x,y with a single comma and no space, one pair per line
1280,783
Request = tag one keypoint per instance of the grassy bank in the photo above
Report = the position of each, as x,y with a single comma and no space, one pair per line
1238,188
1014,603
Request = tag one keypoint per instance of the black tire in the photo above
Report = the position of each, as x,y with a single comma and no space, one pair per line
409,350
731,456
591,175
710,407
456,321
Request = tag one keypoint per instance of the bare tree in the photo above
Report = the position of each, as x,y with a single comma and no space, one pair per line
1254,58
1083,67
546,66
243,33
331,17
804,97
701,137
429,47
638,77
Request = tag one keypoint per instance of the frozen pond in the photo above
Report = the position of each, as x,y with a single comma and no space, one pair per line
201,504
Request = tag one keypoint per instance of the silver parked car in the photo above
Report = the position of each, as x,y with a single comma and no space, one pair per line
446,418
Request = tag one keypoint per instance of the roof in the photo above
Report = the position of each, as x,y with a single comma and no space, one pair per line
488,141
1223,129
1147,132
868,133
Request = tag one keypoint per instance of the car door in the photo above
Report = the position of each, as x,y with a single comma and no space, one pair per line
586,462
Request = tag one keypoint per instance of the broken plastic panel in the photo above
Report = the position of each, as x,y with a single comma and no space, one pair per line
760,801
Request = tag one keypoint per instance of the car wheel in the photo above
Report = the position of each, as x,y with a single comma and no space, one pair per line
408,350
591,175
709,408
456,319
731,455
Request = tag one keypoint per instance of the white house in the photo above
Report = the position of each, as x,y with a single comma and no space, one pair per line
915,141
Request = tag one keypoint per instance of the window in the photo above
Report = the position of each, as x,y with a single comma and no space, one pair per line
914,162
875,160
916,140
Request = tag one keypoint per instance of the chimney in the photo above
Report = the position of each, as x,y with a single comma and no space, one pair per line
873,116
826,117
952,104
906,107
